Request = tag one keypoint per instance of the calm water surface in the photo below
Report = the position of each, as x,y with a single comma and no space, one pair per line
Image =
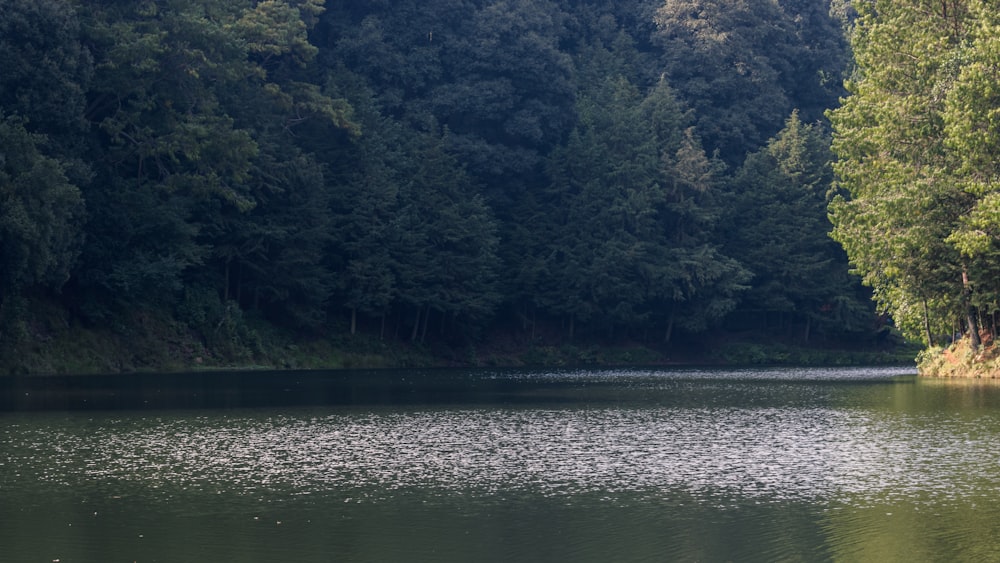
631,465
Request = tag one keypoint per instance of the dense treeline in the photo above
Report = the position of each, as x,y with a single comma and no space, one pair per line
425,169
918,141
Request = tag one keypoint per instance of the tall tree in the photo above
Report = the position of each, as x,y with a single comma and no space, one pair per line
704,282
46,71
196,104
40,216
630,244
778,227
972,124
447,261
901,196
605,190
365,208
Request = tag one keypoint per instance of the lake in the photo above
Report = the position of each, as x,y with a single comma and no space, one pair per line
837,464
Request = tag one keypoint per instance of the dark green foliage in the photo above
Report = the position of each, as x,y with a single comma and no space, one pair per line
44,74
201,182
632,244
46,67
139,243
40,216
287,231
493,73
606,193
365,222
778,229
421,170
745,65
446,239
706,283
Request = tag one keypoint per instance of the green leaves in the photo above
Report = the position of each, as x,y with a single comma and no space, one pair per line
745,65
276,27
40,213
538,157
917,144
631,244
46,67
778,229
203,180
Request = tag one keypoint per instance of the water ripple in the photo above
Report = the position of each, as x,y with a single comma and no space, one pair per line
771,454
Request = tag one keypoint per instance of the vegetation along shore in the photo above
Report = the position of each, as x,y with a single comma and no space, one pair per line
300,183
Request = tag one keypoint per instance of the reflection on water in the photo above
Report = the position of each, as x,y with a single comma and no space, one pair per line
767,454
626,465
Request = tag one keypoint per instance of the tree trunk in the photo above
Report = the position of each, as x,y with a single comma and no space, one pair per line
533,313
381,332
572,327
927,326
670,327
423,329
225,286
354,320
416,326
974,340
973,323
805,335
972,316
239,284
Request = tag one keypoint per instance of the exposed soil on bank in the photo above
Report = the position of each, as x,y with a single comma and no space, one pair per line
961,360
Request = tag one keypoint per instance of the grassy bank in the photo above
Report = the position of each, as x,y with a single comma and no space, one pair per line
782,353
961,360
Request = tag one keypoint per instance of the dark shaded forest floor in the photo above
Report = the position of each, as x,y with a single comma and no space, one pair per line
53,342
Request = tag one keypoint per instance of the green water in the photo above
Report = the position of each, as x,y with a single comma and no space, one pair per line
576,465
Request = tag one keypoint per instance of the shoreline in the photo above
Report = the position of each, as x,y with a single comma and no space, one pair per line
960,361
56,345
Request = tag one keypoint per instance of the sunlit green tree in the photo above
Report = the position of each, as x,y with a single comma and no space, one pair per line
902,191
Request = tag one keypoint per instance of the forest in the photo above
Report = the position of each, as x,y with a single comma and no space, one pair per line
447,171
